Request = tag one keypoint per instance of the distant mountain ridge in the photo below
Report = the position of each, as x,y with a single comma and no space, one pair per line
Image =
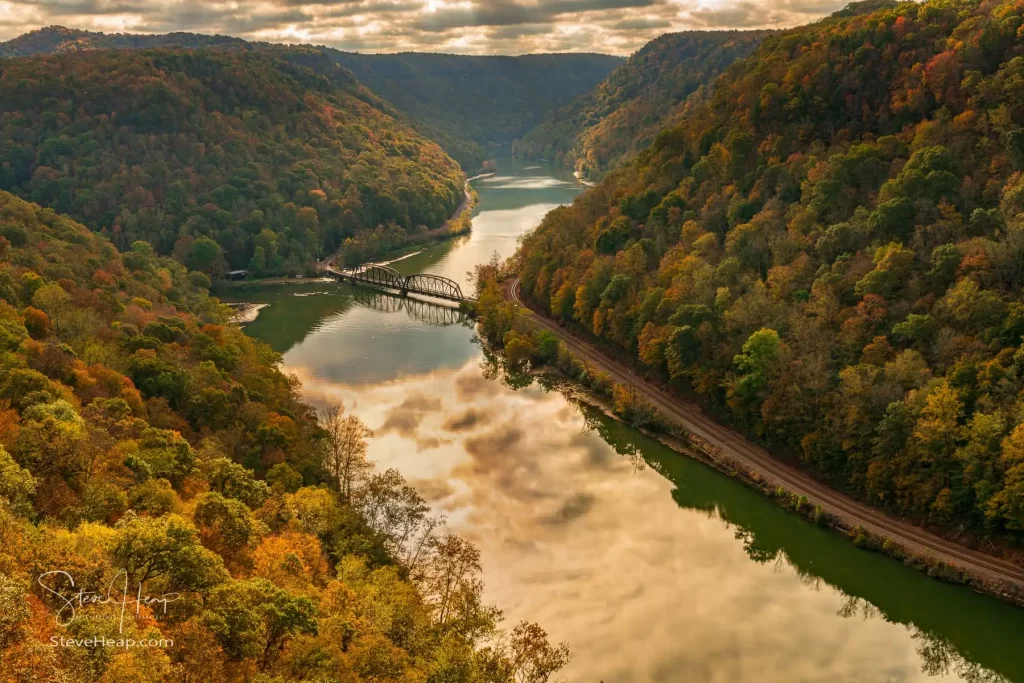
469,103
465,103
57,39
647,94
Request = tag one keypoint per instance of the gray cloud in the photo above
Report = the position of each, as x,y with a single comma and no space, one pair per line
466,420
751,14
516,31
641,24
573,508
347,8
64,8
459,26
741,14
508,13
405,420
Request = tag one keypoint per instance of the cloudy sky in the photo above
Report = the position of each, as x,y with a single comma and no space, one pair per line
464,26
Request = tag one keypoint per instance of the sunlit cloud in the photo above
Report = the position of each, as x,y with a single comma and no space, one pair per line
464,26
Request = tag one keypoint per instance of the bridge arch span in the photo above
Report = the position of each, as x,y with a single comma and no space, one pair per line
381,275
434,285
386,277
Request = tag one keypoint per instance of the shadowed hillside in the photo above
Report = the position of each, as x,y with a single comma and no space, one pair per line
636,101
267,159
465,103
469,104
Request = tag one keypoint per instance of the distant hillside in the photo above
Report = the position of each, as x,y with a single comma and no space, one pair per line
264,159
468,103
636,101
464,103
59,39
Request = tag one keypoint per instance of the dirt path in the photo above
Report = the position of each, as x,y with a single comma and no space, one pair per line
466,205
734,447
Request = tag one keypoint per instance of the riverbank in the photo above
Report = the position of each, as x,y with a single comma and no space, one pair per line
599,532
583,181
246,312
732,453
259,282
457,226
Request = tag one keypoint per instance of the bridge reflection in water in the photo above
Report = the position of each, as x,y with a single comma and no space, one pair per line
417,309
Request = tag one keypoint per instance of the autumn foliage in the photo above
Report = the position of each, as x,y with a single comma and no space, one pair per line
626,111
828,247
150,448
262,159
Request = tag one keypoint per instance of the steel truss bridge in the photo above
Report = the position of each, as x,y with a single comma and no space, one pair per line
387,278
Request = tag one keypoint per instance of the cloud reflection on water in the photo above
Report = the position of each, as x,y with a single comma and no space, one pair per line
508,182
575,538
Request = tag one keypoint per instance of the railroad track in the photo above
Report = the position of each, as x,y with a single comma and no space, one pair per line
736,447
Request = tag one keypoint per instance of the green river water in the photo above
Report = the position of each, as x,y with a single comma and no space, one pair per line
651,566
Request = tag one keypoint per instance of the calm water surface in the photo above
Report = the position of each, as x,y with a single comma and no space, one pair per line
652,566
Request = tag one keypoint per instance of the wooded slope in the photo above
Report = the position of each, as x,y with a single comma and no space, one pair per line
469,104
264,159
149,449
625,112
830,249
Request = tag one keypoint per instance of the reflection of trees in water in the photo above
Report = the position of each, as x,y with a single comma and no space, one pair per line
939,655
758,552
497,367
417,309
612,432
490,364
854,607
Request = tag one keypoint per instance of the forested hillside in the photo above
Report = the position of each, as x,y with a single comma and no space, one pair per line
636,101
463,102
149,451
470,103
830,250
60,39
266,159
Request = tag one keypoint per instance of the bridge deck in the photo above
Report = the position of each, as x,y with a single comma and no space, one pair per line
386,278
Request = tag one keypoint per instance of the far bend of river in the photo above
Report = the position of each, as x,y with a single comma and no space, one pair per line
651,566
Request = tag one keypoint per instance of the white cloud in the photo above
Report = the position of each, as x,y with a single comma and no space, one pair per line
469,26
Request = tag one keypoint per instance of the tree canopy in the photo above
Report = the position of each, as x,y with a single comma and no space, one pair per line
627,110
148,446
223,159
469,104
465,103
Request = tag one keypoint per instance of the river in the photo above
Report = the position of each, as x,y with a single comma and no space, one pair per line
651,566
